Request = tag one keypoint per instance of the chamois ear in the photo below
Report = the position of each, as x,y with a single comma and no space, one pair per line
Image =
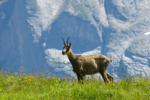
70,44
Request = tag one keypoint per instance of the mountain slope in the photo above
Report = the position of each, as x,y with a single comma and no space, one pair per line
30,34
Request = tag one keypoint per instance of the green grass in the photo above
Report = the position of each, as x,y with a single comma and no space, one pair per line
38,87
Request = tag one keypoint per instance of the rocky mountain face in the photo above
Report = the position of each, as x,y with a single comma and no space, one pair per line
31,31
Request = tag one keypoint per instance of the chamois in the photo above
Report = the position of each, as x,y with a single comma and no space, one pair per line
87,65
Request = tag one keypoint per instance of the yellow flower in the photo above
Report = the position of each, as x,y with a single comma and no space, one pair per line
11,76
31,76
30,80
25,77
19,79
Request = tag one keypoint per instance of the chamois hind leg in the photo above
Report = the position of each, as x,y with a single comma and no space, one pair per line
111,78
104,75
80,77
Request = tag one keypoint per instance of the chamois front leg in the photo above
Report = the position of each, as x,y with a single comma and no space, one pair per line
111,78
104,75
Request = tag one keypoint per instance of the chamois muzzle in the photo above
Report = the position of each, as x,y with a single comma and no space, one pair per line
63,52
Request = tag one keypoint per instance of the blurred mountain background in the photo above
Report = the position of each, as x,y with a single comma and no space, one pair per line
31,30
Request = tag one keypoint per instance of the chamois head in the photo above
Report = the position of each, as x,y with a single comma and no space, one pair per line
66,47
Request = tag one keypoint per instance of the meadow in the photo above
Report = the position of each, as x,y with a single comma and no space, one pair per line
41,87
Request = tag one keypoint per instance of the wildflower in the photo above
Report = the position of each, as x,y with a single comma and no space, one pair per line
25,77
30,80
31,76
19,79
11,76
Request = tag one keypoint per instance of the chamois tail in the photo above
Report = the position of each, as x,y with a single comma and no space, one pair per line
111,59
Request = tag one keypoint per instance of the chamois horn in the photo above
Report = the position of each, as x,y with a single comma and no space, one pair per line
63,41
67,40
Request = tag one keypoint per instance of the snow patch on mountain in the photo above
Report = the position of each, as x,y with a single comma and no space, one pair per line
44,13
2,1
147,33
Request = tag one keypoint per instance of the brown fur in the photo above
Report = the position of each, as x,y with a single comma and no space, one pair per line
88,65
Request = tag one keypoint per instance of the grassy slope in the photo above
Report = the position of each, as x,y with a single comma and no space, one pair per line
50,88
